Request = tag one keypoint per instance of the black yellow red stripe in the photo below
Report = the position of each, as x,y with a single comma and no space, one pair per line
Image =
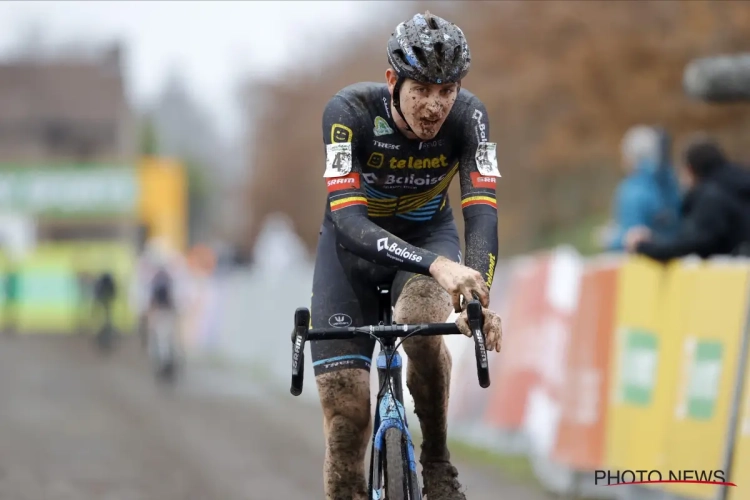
405,204
479,200
348,202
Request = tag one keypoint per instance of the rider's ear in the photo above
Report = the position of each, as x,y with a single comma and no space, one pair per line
391,78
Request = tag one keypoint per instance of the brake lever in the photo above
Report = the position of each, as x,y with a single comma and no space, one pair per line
476,325
299,337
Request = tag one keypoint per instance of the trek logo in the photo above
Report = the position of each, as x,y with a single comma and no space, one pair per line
385,145
481,127
351,181
419,163
480,181
396,252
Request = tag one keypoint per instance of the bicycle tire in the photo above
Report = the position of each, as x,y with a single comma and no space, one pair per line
394,466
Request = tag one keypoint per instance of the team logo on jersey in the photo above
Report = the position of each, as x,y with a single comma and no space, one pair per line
341,133
486,157
481,127
376,160
403,181
381,127
396,252
419,163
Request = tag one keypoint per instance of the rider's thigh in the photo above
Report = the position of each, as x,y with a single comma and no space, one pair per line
418,298
342,296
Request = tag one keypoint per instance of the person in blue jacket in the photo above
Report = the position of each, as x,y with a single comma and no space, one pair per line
650,195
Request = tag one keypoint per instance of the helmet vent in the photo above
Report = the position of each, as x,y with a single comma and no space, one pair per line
420,55
431,22
439,52
456,55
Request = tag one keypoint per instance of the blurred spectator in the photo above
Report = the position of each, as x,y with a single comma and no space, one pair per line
104,292
105,288
716,210
650,195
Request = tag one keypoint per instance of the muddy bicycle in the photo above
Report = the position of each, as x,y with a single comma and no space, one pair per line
393,470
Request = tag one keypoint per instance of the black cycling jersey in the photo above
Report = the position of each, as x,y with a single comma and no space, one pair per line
385,189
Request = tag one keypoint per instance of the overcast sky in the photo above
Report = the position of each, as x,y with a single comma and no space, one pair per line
212,44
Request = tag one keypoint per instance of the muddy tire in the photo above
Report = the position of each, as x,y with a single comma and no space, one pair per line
395,463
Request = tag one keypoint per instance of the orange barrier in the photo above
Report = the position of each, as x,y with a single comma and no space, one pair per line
580,440
468,400
513,370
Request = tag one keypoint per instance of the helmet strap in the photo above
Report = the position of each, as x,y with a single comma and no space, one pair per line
397,101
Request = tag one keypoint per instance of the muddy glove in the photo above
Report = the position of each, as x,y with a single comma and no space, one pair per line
460,280
493,328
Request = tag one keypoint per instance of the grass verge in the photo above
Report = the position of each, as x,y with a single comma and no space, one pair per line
516,467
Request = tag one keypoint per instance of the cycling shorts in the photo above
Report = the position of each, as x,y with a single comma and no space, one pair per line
345,293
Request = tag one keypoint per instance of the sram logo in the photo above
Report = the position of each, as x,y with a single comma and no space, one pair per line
351,181
396,252
480,181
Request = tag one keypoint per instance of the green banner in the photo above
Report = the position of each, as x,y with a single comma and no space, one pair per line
69,190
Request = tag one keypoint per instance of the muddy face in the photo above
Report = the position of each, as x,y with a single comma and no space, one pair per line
425,106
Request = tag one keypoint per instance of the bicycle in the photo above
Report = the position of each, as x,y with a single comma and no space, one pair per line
162,325
105,335
393,470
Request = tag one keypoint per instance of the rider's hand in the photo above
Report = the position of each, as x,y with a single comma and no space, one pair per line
460,280
493,328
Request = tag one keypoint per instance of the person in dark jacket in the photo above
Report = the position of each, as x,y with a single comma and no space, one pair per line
715,211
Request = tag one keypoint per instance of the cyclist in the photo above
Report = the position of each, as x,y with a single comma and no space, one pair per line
105,290
156,287
391,152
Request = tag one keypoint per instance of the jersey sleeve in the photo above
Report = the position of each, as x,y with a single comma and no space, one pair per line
478,175
342,135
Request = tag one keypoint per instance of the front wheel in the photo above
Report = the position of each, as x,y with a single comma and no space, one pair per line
395,466
163,352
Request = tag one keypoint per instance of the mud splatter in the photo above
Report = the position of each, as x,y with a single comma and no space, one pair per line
345,399
429,370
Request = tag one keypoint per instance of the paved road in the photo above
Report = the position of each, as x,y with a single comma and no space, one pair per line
78,426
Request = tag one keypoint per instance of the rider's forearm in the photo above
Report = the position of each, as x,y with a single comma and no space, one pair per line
482,244
364,238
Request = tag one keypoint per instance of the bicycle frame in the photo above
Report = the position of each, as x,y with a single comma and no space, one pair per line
390,411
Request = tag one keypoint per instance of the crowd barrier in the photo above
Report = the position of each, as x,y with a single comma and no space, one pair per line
616,363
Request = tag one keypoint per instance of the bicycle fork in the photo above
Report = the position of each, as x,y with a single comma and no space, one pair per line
391,414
